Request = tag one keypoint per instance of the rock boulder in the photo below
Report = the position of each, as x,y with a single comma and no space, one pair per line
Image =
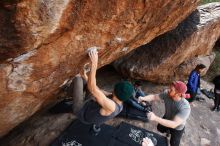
164,59
43,43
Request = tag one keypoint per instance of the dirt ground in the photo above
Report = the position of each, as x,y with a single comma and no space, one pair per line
202,129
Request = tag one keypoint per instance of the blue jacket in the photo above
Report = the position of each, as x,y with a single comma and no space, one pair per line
193,82
138,93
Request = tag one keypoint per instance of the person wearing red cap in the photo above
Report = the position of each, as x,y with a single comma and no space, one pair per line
177,111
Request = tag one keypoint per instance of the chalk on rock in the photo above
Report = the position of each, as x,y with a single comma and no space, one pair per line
93,48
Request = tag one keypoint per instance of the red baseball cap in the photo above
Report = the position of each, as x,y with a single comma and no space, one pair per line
180,86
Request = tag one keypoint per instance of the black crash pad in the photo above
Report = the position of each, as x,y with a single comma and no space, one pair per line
133,113
77,134
209,94
132,135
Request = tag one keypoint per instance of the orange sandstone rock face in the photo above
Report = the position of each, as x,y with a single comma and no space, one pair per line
44,43
174,54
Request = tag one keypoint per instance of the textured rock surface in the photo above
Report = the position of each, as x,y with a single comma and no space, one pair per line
43,43
182,71
161,59
202,126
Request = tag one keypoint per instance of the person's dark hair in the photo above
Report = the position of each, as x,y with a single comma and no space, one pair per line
200,66
123,90
138,83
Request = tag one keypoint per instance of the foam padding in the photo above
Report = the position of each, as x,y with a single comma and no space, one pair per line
133,136
78,134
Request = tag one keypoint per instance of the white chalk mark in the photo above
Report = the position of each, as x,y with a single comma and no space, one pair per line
118,39
125,49
64,83
92,48
24,57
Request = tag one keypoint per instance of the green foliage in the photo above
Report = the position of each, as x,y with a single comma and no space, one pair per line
208,1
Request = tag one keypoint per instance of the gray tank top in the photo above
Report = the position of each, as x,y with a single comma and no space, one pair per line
90,113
